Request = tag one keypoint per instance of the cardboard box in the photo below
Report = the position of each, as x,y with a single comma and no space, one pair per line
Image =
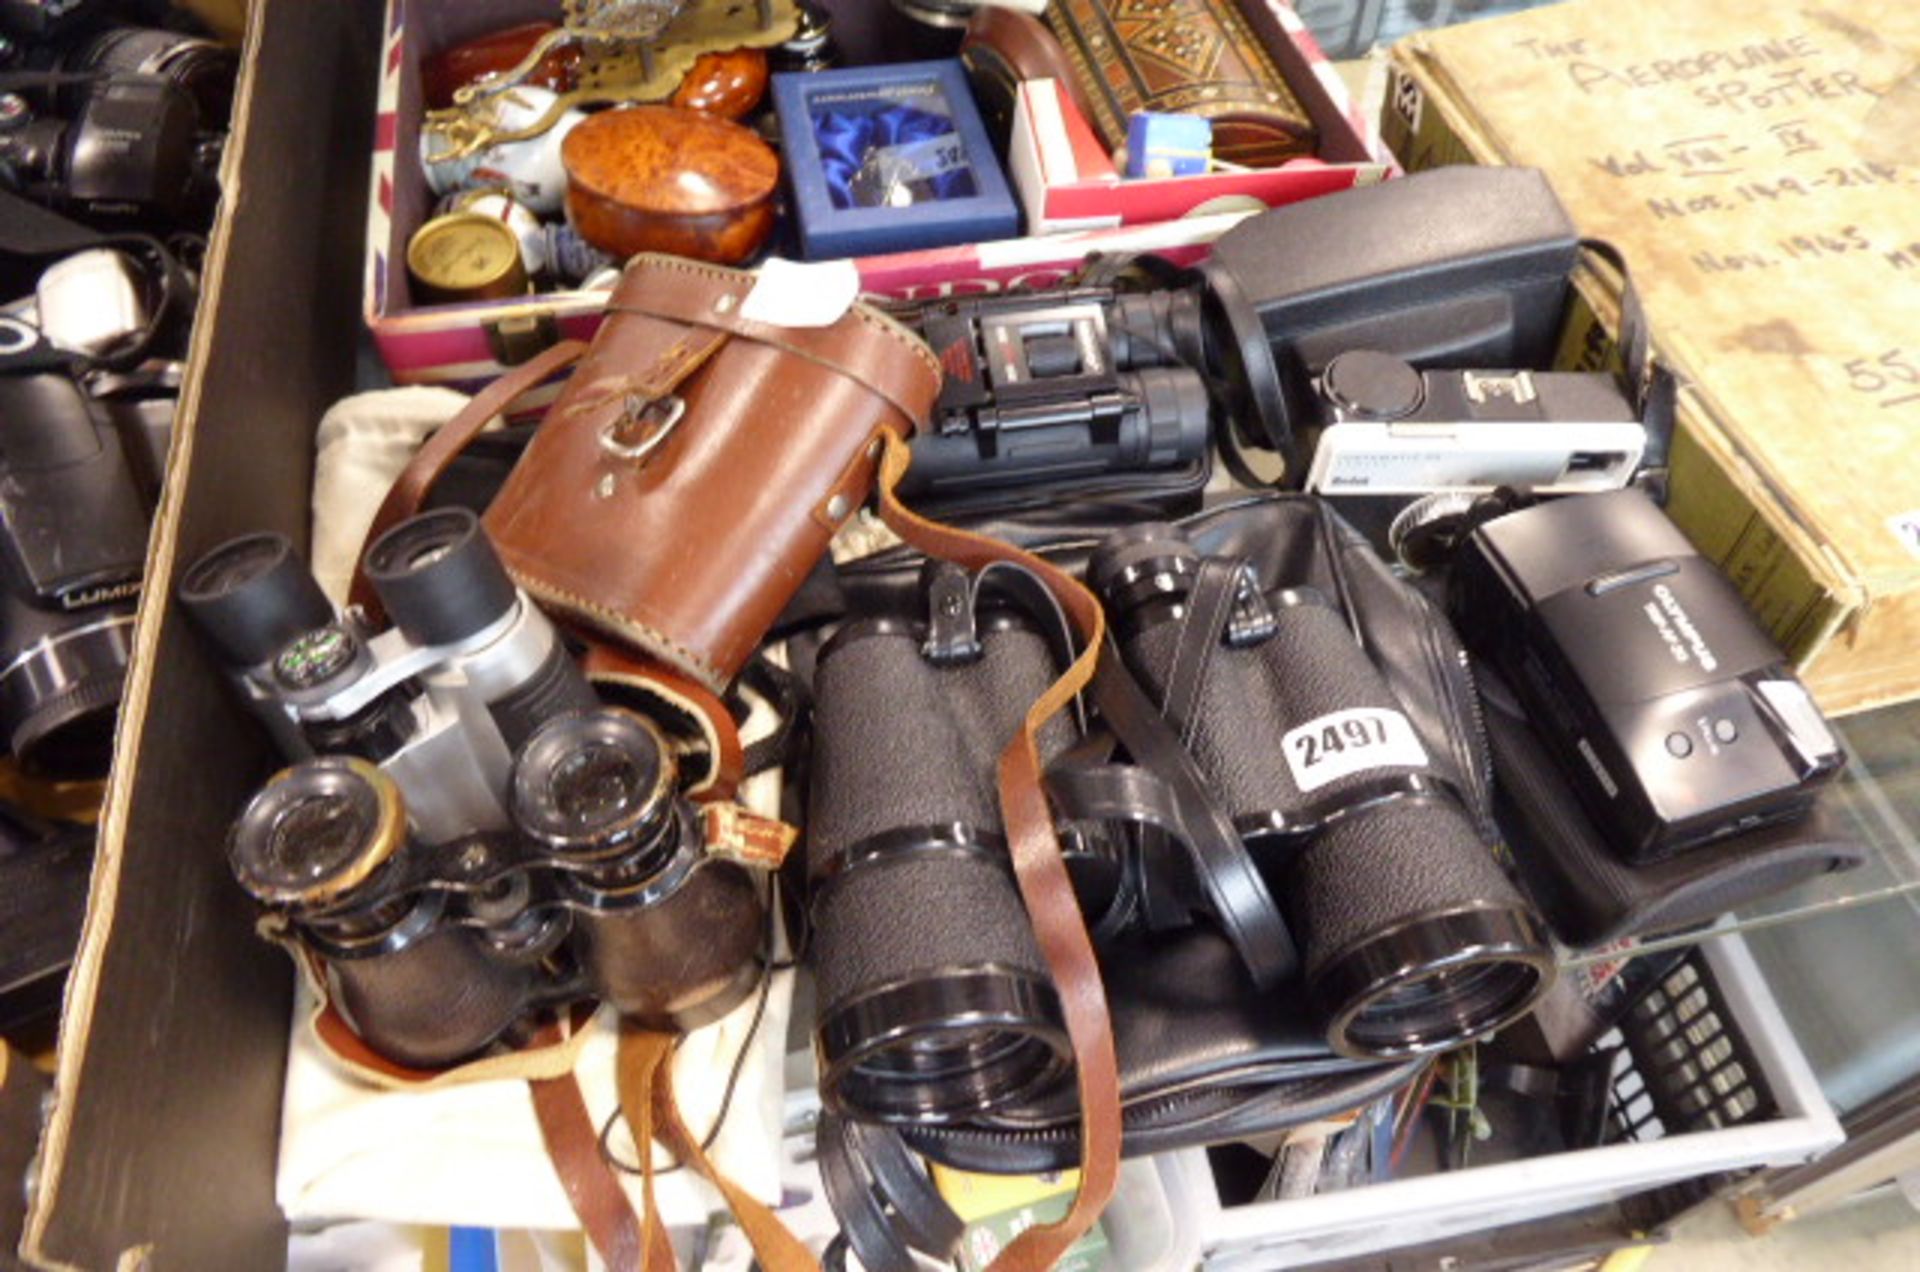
162,1144
464,346
1743,154
160,1150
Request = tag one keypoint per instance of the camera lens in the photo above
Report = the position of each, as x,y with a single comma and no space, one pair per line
594,784
204,68
252,595
60,695
317,831
439,577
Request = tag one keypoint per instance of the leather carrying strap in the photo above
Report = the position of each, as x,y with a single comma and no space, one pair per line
644,1075
1041,871
592,1188
410,489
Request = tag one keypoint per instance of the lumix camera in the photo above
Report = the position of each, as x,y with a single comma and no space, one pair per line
1384,428
1081,391
442,701
1669,710
75,517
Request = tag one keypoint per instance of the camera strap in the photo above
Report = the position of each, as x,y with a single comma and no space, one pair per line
1040,868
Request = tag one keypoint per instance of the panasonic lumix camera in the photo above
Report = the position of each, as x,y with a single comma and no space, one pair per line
441,700
1079,391
1384,428
1671,713
75,546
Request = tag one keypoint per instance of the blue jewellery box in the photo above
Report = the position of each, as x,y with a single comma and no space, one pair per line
889,159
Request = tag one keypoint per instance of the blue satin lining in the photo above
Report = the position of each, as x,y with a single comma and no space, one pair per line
845,141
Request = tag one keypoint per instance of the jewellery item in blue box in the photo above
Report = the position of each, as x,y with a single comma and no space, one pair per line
889,159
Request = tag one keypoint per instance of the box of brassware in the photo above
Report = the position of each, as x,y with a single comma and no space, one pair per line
465,343
1754,161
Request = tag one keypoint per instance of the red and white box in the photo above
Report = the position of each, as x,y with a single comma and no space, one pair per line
464,346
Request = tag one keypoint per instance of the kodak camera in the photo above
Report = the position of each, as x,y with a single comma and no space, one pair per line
1670,712
1078,390
440,701
1384,428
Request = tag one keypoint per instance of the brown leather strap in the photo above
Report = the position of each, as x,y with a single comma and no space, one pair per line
410,488
1042,873
644,1075
592,1187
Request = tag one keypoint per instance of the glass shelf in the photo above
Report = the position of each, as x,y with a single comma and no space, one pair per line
1878,798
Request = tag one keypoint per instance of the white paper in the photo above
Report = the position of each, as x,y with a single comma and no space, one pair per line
1342,743
790,294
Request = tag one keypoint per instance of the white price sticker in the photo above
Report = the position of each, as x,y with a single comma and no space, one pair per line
1347,742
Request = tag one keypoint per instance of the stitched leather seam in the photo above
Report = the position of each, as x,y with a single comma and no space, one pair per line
648,637
879,322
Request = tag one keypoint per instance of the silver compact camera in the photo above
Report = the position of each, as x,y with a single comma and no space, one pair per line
441,700
1386,428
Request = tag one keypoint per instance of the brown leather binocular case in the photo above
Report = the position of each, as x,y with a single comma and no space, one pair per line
692,471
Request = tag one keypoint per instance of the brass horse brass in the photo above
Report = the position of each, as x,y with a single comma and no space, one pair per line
630,51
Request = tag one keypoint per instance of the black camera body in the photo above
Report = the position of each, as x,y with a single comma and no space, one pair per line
133,150
1456,267
1384,428
1670,711
1088,389
70,573
125,126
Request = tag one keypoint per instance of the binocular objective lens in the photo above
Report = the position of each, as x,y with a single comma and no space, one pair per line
317,831
315,837
593,782
596,785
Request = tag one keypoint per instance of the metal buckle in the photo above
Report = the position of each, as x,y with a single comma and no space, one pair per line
662,413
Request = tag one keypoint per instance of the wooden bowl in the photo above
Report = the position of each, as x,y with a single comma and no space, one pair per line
663,179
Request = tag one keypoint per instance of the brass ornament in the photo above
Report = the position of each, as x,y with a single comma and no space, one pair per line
630,51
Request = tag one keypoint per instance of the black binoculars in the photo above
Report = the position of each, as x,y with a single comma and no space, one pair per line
607,887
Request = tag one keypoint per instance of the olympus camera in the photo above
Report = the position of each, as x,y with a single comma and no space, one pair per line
605,883
441,701
1413,938
1669,710
75,533
1384,428
1075,391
